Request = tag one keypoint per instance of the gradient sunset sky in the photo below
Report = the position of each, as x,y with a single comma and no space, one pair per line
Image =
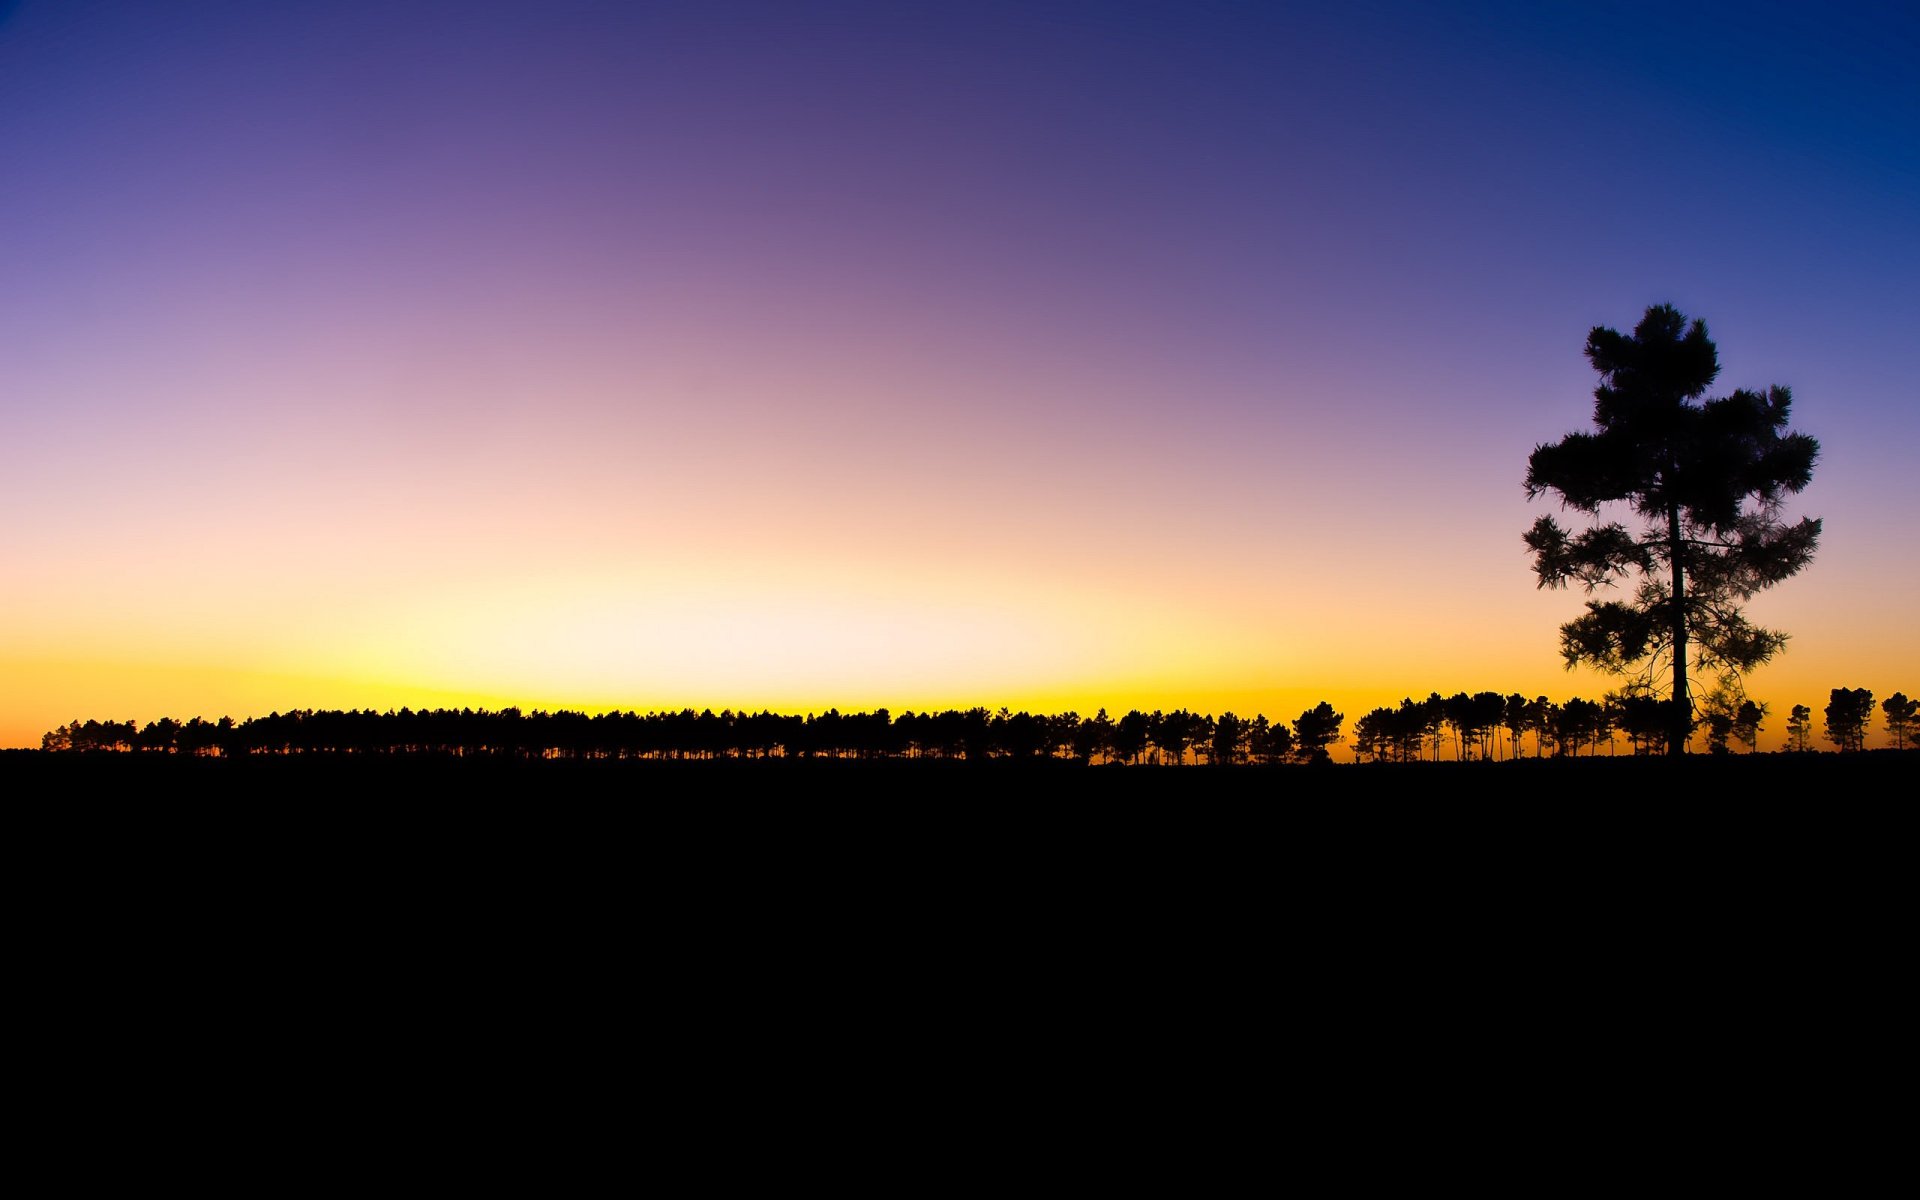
798,355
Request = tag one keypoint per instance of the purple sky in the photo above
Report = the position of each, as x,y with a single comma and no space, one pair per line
877,353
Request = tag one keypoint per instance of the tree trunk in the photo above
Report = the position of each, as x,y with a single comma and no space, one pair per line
1682,706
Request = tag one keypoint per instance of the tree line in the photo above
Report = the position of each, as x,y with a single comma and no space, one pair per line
1485,726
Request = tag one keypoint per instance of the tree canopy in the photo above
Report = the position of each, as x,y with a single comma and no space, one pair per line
1848,711
1902,716
1708,482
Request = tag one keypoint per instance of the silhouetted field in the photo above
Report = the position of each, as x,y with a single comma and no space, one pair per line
1622,825
843,891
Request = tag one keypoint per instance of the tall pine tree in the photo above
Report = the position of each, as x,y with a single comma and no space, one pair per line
1707,481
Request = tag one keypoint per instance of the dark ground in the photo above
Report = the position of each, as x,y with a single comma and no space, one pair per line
717,935
1804,813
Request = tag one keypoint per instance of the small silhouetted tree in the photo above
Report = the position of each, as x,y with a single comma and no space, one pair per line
1708,483
1269,743
1063,735
1431,714
1747,722
1370,735
1174,732
1902,714
1473,718
1130,736
1314,730
1201,730
1580,723
1538,720
1455,714
1513,715
1229,739
1799,727
1731,718
1649,722
1488,709
1093,737
1719,729
1848,711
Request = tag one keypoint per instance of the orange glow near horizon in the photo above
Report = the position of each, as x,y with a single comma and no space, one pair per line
557,643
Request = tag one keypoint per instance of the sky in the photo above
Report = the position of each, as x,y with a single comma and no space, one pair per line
806,355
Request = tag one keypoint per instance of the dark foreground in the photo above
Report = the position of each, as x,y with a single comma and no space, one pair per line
713,931
1567,861
1252,822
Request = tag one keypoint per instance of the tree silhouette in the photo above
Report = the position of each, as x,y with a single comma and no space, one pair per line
1708,482
1372,735
1731,718
1719,728
1314,730
1175,732
1647,722
1901,716
1799,727
1580,723
1130,736
1746,724
1229,740
1270,743
1848,711
1093,737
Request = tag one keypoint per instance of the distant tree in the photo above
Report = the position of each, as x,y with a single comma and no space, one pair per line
1430,717
1130,736
1486,710
1474,719
1719,729
1902,715
1606,723
1314,730
160,735
1708,482
1416,726
1229,739
1373,736
1093,738
1799,727
1722,712
1648,722
1540,723
1513,716
974,729
1577,723
1747,722
1062,735
1457,712
1174,732
1157,736
1023,735
1269,743
1200,730
1557,731
1395,734
1848,711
